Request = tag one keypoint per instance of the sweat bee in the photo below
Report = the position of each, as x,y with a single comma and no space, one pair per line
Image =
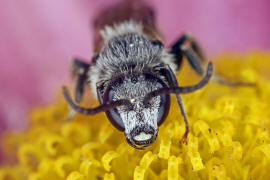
132,73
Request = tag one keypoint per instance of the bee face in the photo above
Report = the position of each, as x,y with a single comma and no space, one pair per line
138,121
128,77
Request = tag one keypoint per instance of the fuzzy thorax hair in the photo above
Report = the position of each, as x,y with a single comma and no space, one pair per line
126,48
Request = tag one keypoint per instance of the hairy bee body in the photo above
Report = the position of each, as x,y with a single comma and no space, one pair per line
127,48
128,52
132,74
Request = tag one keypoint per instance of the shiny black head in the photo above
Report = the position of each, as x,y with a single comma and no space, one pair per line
139,121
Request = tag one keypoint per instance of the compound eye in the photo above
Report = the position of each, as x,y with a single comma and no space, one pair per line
163,100
113,114
163,108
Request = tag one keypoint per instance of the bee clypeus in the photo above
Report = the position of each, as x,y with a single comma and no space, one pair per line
133,74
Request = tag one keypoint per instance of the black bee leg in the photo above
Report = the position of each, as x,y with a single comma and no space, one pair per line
79,70
172,81
187,46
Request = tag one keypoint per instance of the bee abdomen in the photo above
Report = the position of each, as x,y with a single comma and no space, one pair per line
136,11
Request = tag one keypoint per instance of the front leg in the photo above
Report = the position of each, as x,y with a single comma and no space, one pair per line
79,70
188,47
172,81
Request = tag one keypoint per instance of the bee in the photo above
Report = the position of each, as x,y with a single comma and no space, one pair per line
132,73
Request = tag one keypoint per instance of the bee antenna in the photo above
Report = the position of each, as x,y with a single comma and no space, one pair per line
103,107
182,90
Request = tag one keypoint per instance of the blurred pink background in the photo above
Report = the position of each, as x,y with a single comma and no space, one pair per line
39,38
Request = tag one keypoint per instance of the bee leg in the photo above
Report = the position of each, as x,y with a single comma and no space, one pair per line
188,47
79,70
172,81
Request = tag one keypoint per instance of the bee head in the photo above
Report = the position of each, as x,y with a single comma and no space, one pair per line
138,121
